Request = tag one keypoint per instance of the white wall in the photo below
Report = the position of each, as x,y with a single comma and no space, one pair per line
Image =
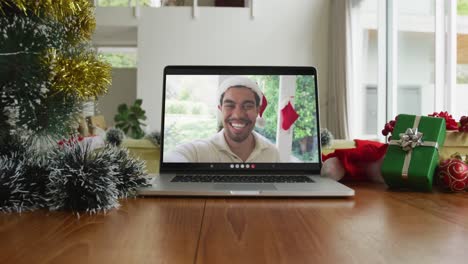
115,16
122,90
291,33
115,26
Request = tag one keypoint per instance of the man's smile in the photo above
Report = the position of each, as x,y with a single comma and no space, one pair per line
238,124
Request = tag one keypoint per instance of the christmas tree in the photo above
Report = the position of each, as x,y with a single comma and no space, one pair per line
47,67
47,70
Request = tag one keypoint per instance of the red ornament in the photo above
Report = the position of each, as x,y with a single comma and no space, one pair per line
453,175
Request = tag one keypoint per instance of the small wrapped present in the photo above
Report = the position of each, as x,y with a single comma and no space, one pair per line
455,142
412,155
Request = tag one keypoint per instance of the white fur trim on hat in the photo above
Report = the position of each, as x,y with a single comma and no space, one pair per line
260,122
240,81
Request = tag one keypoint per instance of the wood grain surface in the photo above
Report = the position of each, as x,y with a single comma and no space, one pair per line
376,226
148,230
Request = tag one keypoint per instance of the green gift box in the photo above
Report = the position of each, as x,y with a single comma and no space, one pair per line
412,155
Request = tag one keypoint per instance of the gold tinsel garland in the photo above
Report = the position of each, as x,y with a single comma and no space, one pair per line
76,14
82,75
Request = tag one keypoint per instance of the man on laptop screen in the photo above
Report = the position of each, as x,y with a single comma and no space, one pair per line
221,119
241,103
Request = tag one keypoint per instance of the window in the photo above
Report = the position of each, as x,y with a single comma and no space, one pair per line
460,107
116,3
408,57
414,57
119,57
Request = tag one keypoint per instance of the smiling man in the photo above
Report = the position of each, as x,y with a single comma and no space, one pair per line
241,103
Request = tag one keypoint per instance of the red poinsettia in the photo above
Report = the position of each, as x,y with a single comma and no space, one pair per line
450,123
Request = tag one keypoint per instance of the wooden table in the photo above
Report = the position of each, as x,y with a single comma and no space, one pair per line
376,226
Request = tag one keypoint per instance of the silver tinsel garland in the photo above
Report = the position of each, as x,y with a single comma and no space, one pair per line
326,137
154,137
115,136
81,179
70,177
23,179
12,185
129,171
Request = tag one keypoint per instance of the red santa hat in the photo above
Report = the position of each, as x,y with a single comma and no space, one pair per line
236,81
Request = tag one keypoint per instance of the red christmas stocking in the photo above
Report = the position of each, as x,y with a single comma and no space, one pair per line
289,116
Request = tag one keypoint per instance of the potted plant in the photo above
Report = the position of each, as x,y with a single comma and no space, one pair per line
129,119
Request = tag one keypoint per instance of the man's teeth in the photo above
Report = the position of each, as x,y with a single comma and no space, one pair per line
237,125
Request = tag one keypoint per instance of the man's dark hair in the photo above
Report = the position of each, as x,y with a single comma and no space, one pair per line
257,98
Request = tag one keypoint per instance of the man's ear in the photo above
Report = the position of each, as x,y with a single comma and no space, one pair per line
219,107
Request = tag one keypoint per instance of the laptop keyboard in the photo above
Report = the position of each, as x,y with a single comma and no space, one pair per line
241,179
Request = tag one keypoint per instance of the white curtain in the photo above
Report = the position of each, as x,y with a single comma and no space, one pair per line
339,78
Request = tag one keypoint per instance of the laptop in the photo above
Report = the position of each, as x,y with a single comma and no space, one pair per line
241,131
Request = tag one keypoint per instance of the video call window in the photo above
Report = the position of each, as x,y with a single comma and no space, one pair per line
192,113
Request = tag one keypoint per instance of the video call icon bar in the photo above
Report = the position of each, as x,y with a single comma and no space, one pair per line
242,166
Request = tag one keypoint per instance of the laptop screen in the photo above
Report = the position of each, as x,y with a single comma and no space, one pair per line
240,118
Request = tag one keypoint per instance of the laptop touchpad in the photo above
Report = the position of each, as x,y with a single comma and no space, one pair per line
245,186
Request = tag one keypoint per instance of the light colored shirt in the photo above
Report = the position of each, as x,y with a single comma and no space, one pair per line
216,149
